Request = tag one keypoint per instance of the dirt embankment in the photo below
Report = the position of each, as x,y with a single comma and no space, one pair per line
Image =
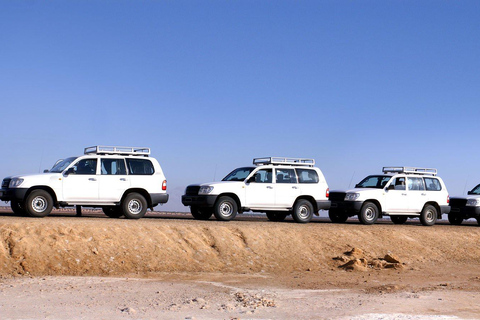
104,246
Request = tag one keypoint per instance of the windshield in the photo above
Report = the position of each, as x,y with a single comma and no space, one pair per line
475,190
62,164
239,174
374,182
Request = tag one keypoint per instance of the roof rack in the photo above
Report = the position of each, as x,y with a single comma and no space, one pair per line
410,170
284,161
118,150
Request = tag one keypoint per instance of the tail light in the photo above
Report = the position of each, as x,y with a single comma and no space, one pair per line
448,199
327,194
164,185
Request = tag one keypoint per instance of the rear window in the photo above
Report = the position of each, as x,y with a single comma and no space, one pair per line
307,176
140,167
433,184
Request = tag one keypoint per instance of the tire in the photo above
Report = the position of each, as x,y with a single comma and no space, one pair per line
18,208
337,216
428,217
302,211
201,214
276,216
134,206
39,203
368,214
478,221
399,219
112,212
225,209
455,219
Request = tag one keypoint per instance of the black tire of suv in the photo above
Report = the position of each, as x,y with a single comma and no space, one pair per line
336,216
302,211
18,208
478,220
201,214
368,214
455,219
134,206
399,219
39,203
112,212
276,216
225,209
428,217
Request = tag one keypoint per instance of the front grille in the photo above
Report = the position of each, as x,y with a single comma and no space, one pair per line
192,190
337,196
5,183
455,202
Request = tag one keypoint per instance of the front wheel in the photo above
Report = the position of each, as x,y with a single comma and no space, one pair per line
201,214
399,219
276,216
39,203
368,214
336,216
18,208
134,206
302,211
455,219
225,209
428,217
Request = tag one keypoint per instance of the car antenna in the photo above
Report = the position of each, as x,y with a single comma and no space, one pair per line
351,180
215,172
465,188
41,161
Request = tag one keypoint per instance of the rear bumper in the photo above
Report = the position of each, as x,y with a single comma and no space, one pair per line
158,198
323,204
17,194
445,209
206,201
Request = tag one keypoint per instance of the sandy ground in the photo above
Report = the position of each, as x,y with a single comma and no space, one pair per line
168,266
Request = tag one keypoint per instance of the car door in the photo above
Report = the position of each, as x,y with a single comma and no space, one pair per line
113,179
396,197
259,191
417,195
286,187
81,183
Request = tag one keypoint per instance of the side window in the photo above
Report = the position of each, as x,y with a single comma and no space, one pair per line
85,166
285,176
307,176
433,184
399,183
140,167
263,176
113,166
415,184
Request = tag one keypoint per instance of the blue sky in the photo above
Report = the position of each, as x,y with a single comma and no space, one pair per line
209,85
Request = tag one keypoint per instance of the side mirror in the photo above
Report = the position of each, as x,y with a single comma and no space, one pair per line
469,192
69,171
356,186
45,171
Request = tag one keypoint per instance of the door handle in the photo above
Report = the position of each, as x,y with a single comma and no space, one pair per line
92,179
123,179
404,194
424,194
268,187
294,188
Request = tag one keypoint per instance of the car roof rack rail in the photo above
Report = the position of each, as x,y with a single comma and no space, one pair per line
284,161
118,150
410,170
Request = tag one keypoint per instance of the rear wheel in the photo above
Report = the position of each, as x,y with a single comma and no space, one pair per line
337,216
455,219
276,215
302,211
113,212
225,209
39,203
201,214
18,208
399,219
428,217
369,213
134,206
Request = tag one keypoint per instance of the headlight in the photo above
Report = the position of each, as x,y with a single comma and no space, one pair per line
15,182
352,196
473,202
205,190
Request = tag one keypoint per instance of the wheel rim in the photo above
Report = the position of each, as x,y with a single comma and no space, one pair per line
39,204
135,206
370,214
430,216
226,209
303,212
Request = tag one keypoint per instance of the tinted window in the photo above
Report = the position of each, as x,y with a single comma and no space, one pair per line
374,182
307,176
285,176
263,176
140,167
113,166
433,184
239,174
85,166
399,183
415,184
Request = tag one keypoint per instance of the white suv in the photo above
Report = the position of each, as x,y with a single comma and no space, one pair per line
121,180
400,192
277,186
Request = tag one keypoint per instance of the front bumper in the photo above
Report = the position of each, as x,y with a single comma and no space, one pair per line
349,207
204,201
466,211
10,194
